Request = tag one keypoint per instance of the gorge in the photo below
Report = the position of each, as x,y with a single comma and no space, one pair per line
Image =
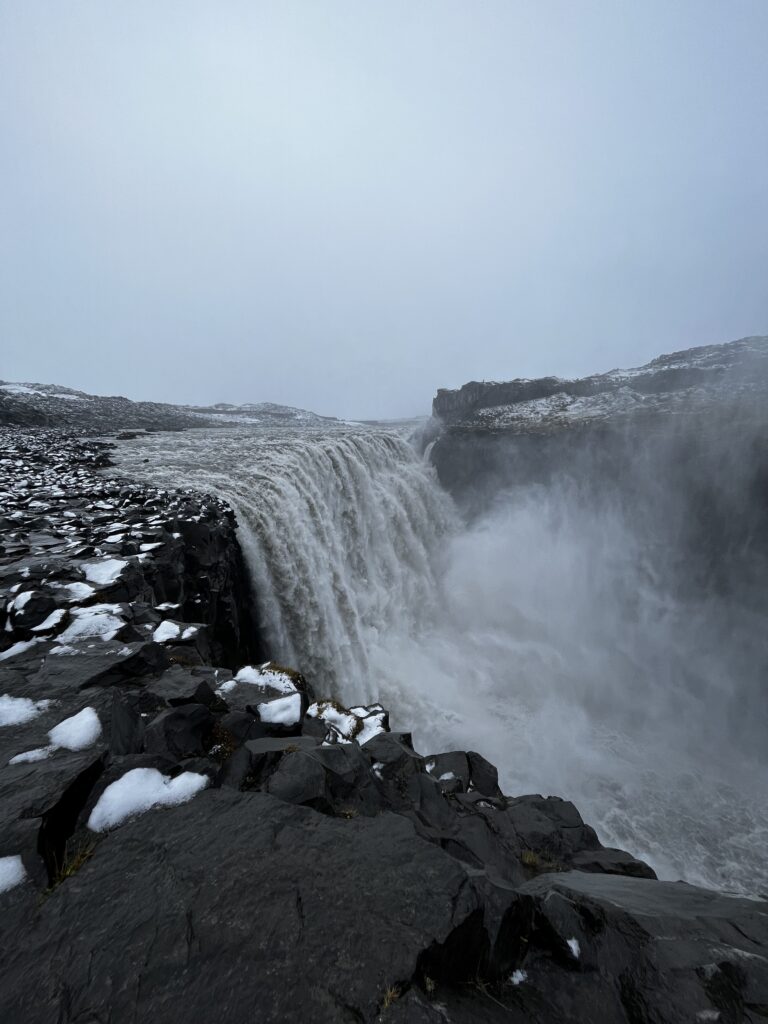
569,581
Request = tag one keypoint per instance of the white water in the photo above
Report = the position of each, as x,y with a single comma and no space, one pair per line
539,636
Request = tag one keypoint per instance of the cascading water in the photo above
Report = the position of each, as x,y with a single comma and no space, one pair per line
341,531
537,636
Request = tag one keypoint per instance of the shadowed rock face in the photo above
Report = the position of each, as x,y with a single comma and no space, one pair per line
222,846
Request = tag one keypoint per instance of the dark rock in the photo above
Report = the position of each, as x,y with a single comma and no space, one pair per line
251,766
483,775
30,611
118,665
240,726
177,686
611,862
126,727
253,858
180,732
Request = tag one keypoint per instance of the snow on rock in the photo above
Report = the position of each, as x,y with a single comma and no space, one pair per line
20,601
12,872
107,570
373,724
18,648
18,710
282,711
518,977
76,591
267,676
30,756
49,624
138,791
342,722
167,630
573,945
102,620
78,732
359,723
20,389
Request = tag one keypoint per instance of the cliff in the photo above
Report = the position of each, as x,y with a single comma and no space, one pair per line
189,833
676,382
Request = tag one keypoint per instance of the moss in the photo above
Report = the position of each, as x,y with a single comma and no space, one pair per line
540,864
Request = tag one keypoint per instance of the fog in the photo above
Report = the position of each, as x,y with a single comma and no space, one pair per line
343,206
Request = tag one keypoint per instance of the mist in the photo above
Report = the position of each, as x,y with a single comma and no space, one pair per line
593,626
342,206
561,648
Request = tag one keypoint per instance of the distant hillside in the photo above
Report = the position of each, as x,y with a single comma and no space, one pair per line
259,412
680,381
49,405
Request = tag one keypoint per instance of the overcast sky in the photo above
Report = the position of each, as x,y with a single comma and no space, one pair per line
344,204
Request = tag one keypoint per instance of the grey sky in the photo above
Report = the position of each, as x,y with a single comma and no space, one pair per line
344,205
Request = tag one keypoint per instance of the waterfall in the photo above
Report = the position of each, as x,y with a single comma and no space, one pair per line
539,635
342,535
341,530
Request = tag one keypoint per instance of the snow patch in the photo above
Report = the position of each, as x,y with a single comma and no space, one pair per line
18,710
18,648
166,631
103,620
78,732
30,756
138,791
573,945
518,977
282,711
266,677
12,872
108,570
51,622
20,601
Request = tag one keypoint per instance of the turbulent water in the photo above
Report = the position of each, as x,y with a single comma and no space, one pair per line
538,636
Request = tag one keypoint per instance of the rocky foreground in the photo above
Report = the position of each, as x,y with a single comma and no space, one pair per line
190,834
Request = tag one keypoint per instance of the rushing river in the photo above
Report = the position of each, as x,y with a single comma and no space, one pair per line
537,635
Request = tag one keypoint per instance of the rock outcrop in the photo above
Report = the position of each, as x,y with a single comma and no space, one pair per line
189,833
676,382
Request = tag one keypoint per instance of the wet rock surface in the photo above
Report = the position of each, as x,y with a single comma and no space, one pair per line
188,832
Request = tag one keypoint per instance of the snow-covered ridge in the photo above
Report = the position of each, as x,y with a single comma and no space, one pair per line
675,382
33,404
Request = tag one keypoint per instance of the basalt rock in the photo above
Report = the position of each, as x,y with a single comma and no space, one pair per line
185,861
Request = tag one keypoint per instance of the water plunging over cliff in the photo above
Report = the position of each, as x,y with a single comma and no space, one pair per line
538,636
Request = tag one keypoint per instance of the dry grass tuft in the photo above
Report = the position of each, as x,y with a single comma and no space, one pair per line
391,994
